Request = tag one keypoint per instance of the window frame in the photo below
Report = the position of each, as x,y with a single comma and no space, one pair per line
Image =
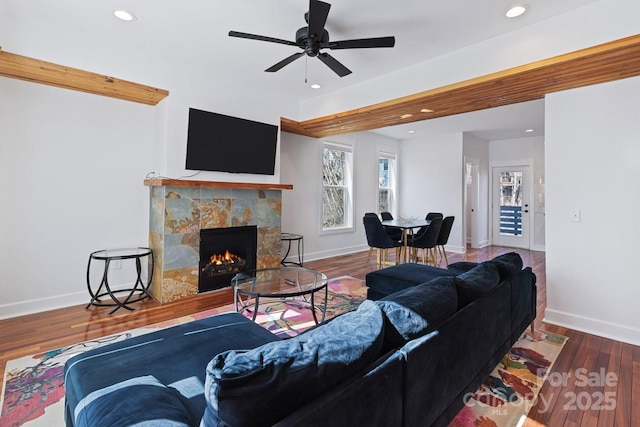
349,224
392,187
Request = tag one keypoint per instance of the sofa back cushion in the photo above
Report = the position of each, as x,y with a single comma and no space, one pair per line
261,386
476,282
416,311
508,264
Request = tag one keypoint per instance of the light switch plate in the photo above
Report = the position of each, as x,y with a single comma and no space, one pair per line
575,216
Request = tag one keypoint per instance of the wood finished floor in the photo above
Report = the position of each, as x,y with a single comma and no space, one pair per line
565,403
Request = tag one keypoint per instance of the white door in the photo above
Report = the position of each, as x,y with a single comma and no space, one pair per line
472,179
511,206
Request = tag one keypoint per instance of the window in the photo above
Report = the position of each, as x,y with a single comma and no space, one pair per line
386,182
337,166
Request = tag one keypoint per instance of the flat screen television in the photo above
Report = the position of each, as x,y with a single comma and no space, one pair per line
216,142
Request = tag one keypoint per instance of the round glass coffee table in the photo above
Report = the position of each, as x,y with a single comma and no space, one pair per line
283,282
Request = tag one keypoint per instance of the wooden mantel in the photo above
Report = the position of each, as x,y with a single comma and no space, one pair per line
37,71
166,182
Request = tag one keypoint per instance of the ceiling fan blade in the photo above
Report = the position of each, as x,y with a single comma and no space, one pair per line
334,64
261,38
284,62
317,16
363,43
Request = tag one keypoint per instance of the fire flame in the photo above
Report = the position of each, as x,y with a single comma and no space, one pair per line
219,259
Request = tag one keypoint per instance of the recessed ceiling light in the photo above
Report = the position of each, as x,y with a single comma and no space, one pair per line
315,86
412,131
124,15
517,10
529,130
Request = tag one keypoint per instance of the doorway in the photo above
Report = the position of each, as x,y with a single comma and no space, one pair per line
511,206
472,197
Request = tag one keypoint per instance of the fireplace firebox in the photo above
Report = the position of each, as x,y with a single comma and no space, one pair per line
224,252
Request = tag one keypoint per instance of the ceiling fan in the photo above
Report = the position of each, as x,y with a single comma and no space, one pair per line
314,37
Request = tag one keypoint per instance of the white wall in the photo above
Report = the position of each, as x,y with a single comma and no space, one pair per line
593,166
72,165
75,164
431,177
301,159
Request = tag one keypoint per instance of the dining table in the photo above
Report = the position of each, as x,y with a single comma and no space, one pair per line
407,226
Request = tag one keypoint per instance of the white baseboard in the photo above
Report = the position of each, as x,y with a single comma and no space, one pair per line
602,328
314,256
39,305
456,249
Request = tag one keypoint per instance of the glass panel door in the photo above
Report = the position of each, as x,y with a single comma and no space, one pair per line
511,206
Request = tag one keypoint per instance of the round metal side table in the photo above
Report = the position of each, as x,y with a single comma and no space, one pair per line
139,289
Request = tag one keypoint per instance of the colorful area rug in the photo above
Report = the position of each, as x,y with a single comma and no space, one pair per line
505,398
33,392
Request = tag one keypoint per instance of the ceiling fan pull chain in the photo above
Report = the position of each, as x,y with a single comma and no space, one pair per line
306,63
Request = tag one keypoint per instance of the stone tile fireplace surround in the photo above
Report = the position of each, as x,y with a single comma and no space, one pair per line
179,209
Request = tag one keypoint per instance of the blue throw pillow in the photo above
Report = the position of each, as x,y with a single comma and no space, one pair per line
508,264
258,387
415,311
476,282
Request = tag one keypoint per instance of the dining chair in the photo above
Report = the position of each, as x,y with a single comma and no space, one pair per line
429,217
394,233
377,238
432,215
427,242
443,237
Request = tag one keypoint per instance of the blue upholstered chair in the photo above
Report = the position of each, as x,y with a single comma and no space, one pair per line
378,238
426,241
443,237
394,233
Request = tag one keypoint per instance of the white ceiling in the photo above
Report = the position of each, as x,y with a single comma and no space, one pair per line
85,34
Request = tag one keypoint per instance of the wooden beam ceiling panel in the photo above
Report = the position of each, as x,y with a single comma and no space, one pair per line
611,61
37,71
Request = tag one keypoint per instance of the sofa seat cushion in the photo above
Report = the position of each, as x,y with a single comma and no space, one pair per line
261,386
476,282
416,311
112,406
388,280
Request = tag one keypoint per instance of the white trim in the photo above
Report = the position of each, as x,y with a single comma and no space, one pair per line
39,305
589,325
314,256
348,147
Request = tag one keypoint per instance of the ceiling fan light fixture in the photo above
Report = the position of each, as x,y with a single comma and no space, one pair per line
124,15
517,10
315,86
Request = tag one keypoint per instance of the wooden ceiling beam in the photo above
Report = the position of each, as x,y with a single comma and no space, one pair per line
607,62
37,71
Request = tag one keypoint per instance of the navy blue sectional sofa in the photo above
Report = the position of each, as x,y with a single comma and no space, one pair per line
406,359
